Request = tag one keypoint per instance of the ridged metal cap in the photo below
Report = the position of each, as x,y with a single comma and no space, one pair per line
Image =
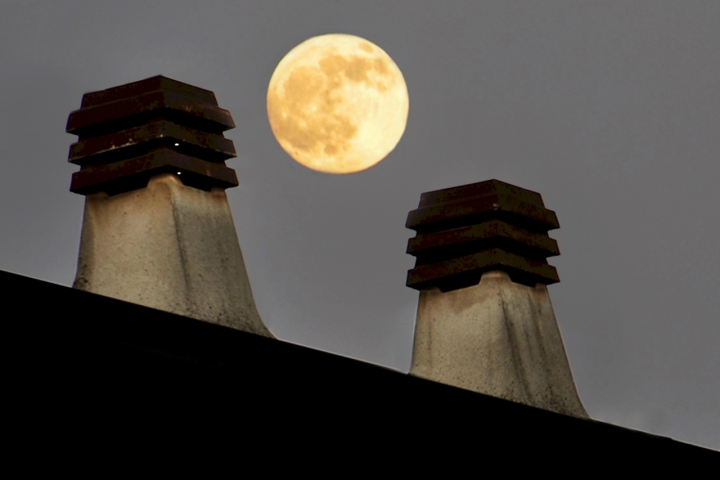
465,231
132,132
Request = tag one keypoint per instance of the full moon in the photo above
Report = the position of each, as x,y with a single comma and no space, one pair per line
337,103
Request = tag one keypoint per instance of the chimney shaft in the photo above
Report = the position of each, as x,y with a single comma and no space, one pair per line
157,228
484,321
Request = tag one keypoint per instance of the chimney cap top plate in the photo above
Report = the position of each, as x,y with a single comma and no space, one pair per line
479,189
151,84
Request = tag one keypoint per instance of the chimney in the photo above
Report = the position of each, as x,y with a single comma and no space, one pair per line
157,228
484,320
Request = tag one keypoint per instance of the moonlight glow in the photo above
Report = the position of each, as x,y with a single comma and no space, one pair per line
337,103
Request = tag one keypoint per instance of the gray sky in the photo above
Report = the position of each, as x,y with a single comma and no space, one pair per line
610,110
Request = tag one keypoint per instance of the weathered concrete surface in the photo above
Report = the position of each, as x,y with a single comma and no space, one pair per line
169,247
498,338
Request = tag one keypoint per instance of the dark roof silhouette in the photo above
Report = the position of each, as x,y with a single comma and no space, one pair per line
80,360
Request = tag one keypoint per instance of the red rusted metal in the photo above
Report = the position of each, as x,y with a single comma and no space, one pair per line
113,178
131,132
465,231
459,206
157,83
140,140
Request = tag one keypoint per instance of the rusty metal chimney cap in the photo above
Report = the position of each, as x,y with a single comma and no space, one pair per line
480,189
464,231
132,104
132,132
158,82
464,205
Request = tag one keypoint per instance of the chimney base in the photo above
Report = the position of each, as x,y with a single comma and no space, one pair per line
171,247
499,338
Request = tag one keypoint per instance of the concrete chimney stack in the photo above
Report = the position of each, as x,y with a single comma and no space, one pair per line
157,228
484,321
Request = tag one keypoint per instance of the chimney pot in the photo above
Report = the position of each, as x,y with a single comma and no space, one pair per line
484,320
157,228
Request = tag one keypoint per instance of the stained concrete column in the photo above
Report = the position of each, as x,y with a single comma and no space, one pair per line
157,228
485,321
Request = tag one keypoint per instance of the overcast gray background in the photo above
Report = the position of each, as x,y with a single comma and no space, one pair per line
611,110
